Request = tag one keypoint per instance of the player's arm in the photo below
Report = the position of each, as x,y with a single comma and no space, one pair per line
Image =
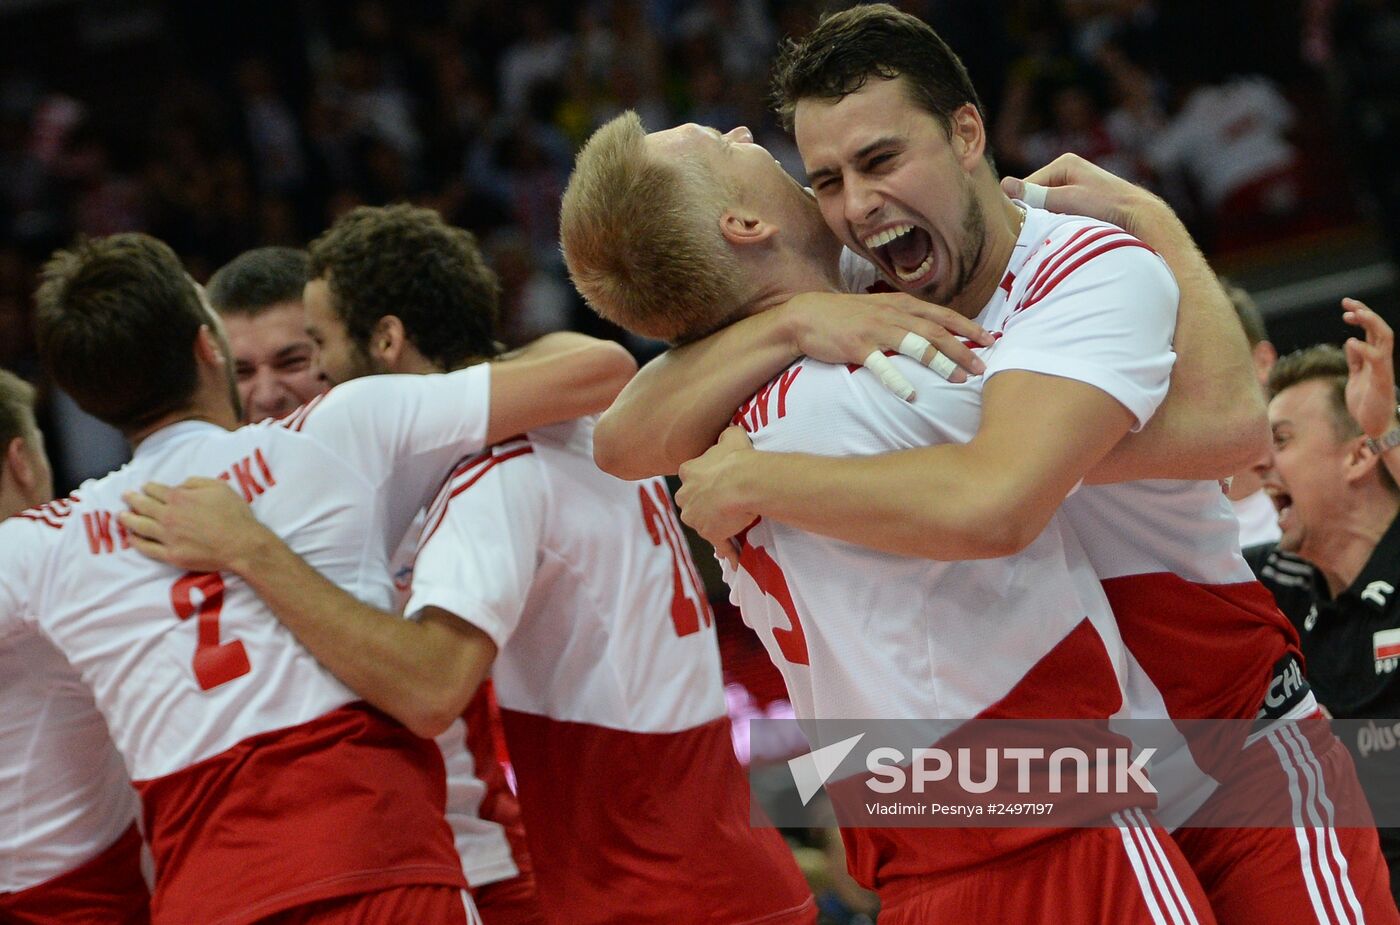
422,671
557,378
985,499
1213,422
1370,391
678,404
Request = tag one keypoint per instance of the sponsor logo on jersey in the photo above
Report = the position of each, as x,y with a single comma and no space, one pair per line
1378,591
1373,738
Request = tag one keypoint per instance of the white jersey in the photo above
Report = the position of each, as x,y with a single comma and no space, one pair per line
186,667
64,793
564,662
488,854
862,634
609,683
167,684
1083,300
1168,552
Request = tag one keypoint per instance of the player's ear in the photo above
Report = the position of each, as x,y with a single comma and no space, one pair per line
968,136
743,228
1360,461
207,348
17,467
387,340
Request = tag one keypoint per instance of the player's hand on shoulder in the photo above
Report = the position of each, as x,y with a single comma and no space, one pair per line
1073,185
847,328
201,525
708,497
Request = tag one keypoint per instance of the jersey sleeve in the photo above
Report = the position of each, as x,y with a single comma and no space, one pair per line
482,539
1100,310
380,423
21,546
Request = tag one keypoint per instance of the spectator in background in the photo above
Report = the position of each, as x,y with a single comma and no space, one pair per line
1336,569
1253,508
1229,139
258,295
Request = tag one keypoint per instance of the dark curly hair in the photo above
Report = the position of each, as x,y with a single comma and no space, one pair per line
406,261
848,48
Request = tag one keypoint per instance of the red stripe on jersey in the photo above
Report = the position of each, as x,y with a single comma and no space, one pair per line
459,486
1064,250
351,802
297,419
38,517
647,827
1390,651
1007,282
1078,262
1067,253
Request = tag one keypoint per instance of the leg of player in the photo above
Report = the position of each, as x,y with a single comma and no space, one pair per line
1328,869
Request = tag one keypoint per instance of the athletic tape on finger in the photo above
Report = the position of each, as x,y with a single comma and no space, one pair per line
942,365
880,365
1034,195
913,346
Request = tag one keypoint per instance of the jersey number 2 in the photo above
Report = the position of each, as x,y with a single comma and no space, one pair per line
686,611
215,662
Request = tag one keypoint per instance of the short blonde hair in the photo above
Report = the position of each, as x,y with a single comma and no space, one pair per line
641,237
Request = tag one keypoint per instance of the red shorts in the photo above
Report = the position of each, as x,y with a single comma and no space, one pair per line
1133,875
510,902
1316,873
439,905
107,890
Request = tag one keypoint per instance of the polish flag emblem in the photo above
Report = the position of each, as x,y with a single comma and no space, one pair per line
1387,644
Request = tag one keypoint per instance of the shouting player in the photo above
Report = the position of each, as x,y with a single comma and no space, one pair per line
894,140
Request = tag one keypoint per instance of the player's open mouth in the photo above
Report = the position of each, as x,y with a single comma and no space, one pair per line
905,252
1283,503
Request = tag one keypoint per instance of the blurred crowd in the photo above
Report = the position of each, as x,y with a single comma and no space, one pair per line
230,126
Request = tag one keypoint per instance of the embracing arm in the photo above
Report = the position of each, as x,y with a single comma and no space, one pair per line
680,402
422,671
557,378
1212,423
985,499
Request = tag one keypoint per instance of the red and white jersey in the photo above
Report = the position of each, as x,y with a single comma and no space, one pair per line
196,679
1084,300
861,634
488,853
609,684
64,794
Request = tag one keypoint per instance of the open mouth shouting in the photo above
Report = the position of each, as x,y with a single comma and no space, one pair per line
905,252
1283,503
